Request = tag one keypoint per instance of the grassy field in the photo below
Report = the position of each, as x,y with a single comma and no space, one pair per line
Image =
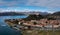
40,32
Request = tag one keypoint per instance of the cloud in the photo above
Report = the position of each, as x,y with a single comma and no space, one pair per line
45,3
50,4
12,3
41,3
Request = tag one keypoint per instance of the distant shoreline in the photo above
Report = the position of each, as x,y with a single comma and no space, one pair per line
12,15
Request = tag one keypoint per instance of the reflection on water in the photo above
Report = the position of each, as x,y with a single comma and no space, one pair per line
4,29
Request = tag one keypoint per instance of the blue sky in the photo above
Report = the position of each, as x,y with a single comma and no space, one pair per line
24,5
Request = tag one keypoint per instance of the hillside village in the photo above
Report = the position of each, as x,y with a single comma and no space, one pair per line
36,24
36,20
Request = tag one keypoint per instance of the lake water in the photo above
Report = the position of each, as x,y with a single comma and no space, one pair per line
4,29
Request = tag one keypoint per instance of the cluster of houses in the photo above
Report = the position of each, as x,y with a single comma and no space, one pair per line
41,23
20,23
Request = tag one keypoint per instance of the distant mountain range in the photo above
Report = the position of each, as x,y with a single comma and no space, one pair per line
56,13
21,13
10,14
26,13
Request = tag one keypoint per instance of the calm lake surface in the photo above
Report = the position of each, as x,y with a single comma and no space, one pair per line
4,29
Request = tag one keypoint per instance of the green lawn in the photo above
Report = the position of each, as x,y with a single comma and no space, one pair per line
40,32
